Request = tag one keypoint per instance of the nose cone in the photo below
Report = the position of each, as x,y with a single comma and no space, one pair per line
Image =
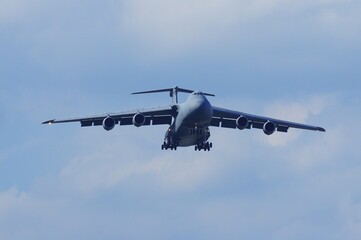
200,111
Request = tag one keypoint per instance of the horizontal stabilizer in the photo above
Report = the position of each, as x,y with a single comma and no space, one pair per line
155,91
172,91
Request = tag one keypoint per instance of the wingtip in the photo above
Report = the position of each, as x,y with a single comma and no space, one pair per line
48,122
321,129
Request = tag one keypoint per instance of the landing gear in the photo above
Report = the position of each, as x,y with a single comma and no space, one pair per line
206,146
166,146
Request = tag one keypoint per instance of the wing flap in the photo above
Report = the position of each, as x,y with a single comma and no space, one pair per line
228,123
98,122
86,123
282,129
126,121
215,122
159,120
257,125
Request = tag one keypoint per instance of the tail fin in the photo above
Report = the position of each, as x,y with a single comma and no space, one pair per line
173,92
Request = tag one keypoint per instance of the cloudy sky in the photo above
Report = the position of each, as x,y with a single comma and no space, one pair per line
296,60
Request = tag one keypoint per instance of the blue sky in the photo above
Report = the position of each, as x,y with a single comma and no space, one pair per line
296,61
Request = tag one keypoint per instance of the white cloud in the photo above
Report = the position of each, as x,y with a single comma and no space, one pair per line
176,26
296,111
119,161
13,10
20,209
350,210
239,187
341,20
318,151
158,29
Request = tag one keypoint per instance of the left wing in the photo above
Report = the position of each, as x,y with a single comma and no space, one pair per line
152,116
234,119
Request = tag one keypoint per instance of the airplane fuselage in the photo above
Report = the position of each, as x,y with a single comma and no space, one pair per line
190,126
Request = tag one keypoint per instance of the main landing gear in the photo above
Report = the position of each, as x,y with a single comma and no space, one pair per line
166,146
205,146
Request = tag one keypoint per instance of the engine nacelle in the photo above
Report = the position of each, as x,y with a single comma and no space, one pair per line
269,128
242,122
108,123
138,119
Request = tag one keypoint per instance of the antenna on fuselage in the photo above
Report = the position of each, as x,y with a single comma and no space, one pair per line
173,92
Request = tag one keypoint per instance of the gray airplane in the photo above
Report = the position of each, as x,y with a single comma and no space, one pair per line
188,122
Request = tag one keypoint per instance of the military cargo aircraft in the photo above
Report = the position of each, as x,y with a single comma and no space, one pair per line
189,122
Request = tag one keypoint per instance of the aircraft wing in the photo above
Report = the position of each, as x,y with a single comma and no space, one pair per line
153,116
227,118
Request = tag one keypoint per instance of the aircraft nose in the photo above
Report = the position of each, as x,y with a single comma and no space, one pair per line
201,109
200,104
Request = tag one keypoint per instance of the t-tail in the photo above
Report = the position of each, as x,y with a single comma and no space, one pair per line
173,92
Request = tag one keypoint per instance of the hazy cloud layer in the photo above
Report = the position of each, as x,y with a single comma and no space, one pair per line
172,27
297,189
292,60
159,29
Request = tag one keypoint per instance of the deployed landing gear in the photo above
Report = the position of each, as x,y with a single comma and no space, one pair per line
205,146
166,146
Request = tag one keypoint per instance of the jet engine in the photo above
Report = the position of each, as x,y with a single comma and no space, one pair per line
242,122
269,128
108,123
138,119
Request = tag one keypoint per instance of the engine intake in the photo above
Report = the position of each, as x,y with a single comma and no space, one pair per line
242,122
269,128
138,119
108,123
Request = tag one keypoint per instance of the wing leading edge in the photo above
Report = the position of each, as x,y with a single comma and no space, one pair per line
227,118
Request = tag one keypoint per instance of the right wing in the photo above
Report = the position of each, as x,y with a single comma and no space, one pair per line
153,116
227,118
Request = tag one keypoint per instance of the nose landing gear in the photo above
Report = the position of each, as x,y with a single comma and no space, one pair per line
206,146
